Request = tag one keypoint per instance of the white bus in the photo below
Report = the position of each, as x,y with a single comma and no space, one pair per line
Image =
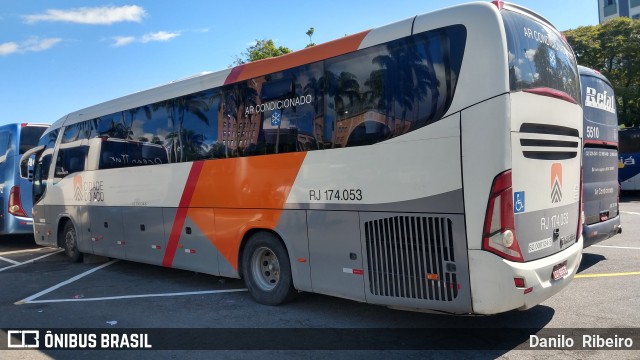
430,164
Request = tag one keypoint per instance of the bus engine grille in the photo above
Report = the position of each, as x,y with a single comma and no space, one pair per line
411,257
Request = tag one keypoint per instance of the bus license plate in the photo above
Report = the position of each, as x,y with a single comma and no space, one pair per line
560,271
604,216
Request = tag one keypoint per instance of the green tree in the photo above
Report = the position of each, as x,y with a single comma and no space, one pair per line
613,48
310,34
262,49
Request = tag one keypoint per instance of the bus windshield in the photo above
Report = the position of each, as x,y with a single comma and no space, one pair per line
538,57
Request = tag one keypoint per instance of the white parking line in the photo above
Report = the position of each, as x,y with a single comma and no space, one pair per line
24,251
629,212
9,261
130,296
32,299
616,247
54,287
29,261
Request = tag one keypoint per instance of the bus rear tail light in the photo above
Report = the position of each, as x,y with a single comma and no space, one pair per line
15,204
499,235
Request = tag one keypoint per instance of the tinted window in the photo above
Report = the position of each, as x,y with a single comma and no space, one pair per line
197,125
121,153
70,160
49,140
82,131
41,176
630,140
290,110
29,137
538,57
599,106
43,164
356,99
238,117
113,126
389,90
154,124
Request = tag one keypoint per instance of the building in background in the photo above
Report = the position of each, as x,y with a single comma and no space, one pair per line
609,9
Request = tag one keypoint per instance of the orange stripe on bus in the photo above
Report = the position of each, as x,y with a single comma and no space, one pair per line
246,193
257,182
232,224
309,55
181,214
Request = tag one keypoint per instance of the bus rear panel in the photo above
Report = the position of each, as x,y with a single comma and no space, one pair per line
600,170
531,233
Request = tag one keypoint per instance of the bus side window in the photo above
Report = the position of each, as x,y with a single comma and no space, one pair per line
70,160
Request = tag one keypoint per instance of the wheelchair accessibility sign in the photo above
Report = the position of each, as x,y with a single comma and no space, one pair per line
518,202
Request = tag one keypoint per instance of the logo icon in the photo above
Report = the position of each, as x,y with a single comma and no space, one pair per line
26,338
276,118
518,202
77,188
552,58
556,183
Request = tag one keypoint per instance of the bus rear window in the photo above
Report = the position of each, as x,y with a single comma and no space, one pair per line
29,136
539,57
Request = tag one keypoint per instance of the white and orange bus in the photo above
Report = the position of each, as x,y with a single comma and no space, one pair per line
431,164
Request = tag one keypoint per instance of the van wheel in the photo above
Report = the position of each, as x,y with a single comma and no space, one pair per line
70,242
267,270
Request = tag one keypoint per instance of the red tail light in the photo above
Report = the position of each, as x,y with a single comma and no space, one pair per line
499,225
499,4
15,204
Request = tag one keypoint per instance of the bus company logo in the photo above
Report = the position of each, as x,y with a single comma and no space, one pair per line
92,190
630,161
602,101
77,188
556,183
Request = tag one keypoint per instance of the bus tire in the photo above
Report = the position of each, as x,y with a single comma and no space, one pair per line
70,242
267,270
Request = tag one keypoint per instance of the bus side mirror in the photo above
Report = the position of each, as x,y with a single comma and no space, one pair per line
27,161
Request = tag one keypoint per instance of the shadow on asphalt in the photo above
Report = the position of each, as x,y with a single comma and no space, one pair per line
627,196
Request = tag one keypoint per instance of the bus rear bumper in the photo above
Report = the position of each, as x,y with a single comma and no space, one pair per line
493,288
18,225
597,232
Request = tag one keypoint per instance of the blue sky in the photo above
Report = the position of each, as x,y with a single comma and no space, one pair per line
60,56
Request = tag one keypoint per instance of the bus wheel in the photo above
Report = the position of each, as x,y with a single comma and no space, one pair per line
70,244
267,270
